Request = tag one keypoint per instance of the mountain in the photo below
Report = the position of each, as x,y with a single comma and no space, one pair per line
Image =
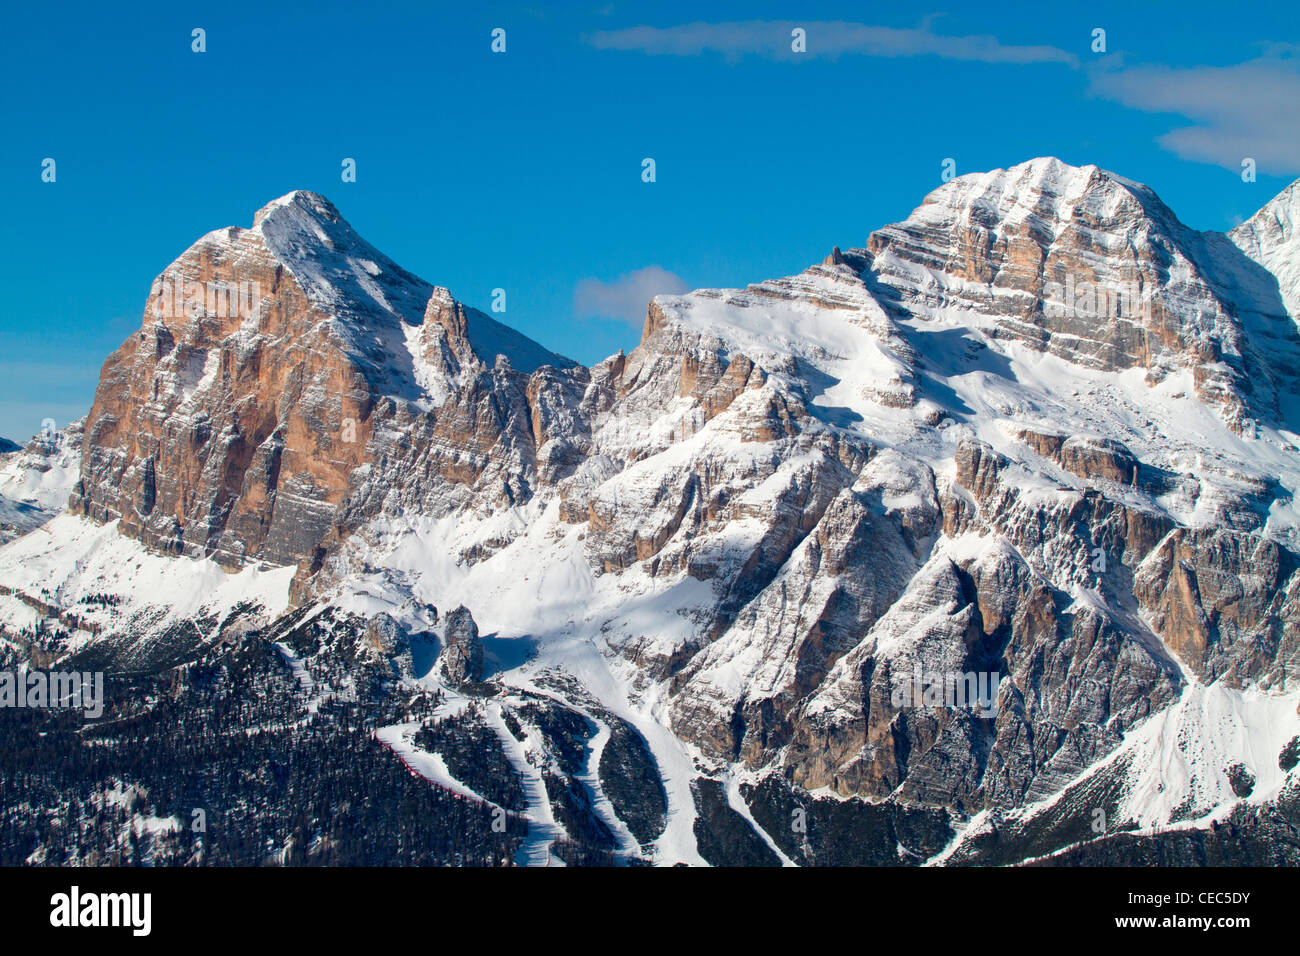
36,480
6,446
233,423
950,546
1271,238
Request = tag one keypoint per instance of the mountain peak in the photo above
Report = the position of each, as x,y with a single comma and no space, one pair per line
472,335
339,270
302,199
1271,238
1014,247
286,352
1051,190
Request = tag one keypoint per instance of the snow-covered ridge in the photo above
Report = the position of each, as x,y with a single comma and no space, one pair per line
35,482
1047,189
1271,237
374,307
107,584
347,277
369,297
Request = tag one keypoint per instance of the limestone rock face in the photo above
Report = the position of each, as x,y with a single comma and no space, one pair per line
231,423
386,636
462,651
1225,602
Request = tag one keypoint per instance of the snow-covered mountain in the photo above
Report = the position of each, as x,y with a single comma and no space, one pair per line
1039,433
235,422
36,480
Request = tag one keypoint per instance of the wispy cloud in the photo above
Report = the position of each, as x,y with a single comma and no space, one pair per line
830,39
627,296
1249,109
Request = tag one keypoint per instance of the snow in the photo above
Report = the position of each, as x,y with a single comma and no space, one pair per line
489,338
302,676
430,379
35,483
1272,238
1176,763
736,801
399,738
197,375
1181,755
72,559
543,830
539,594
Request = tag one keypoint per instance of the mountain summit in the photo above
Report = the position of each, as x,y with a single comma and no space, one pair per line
1088,265
234,421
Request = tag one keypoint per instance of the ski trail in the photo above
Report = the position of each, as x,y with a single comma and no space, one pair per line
303,676
543,830
737,802
399,739
590,778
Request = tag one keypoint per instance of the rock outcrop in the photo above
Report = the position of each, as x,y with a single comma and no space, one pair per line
462,651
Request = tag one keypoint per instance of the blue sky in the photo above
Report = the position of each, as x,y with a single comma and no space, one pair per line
522,170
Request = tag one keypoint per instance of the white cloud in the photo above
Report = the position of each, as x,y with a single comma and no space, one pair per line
1249,109
826,38
627,296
